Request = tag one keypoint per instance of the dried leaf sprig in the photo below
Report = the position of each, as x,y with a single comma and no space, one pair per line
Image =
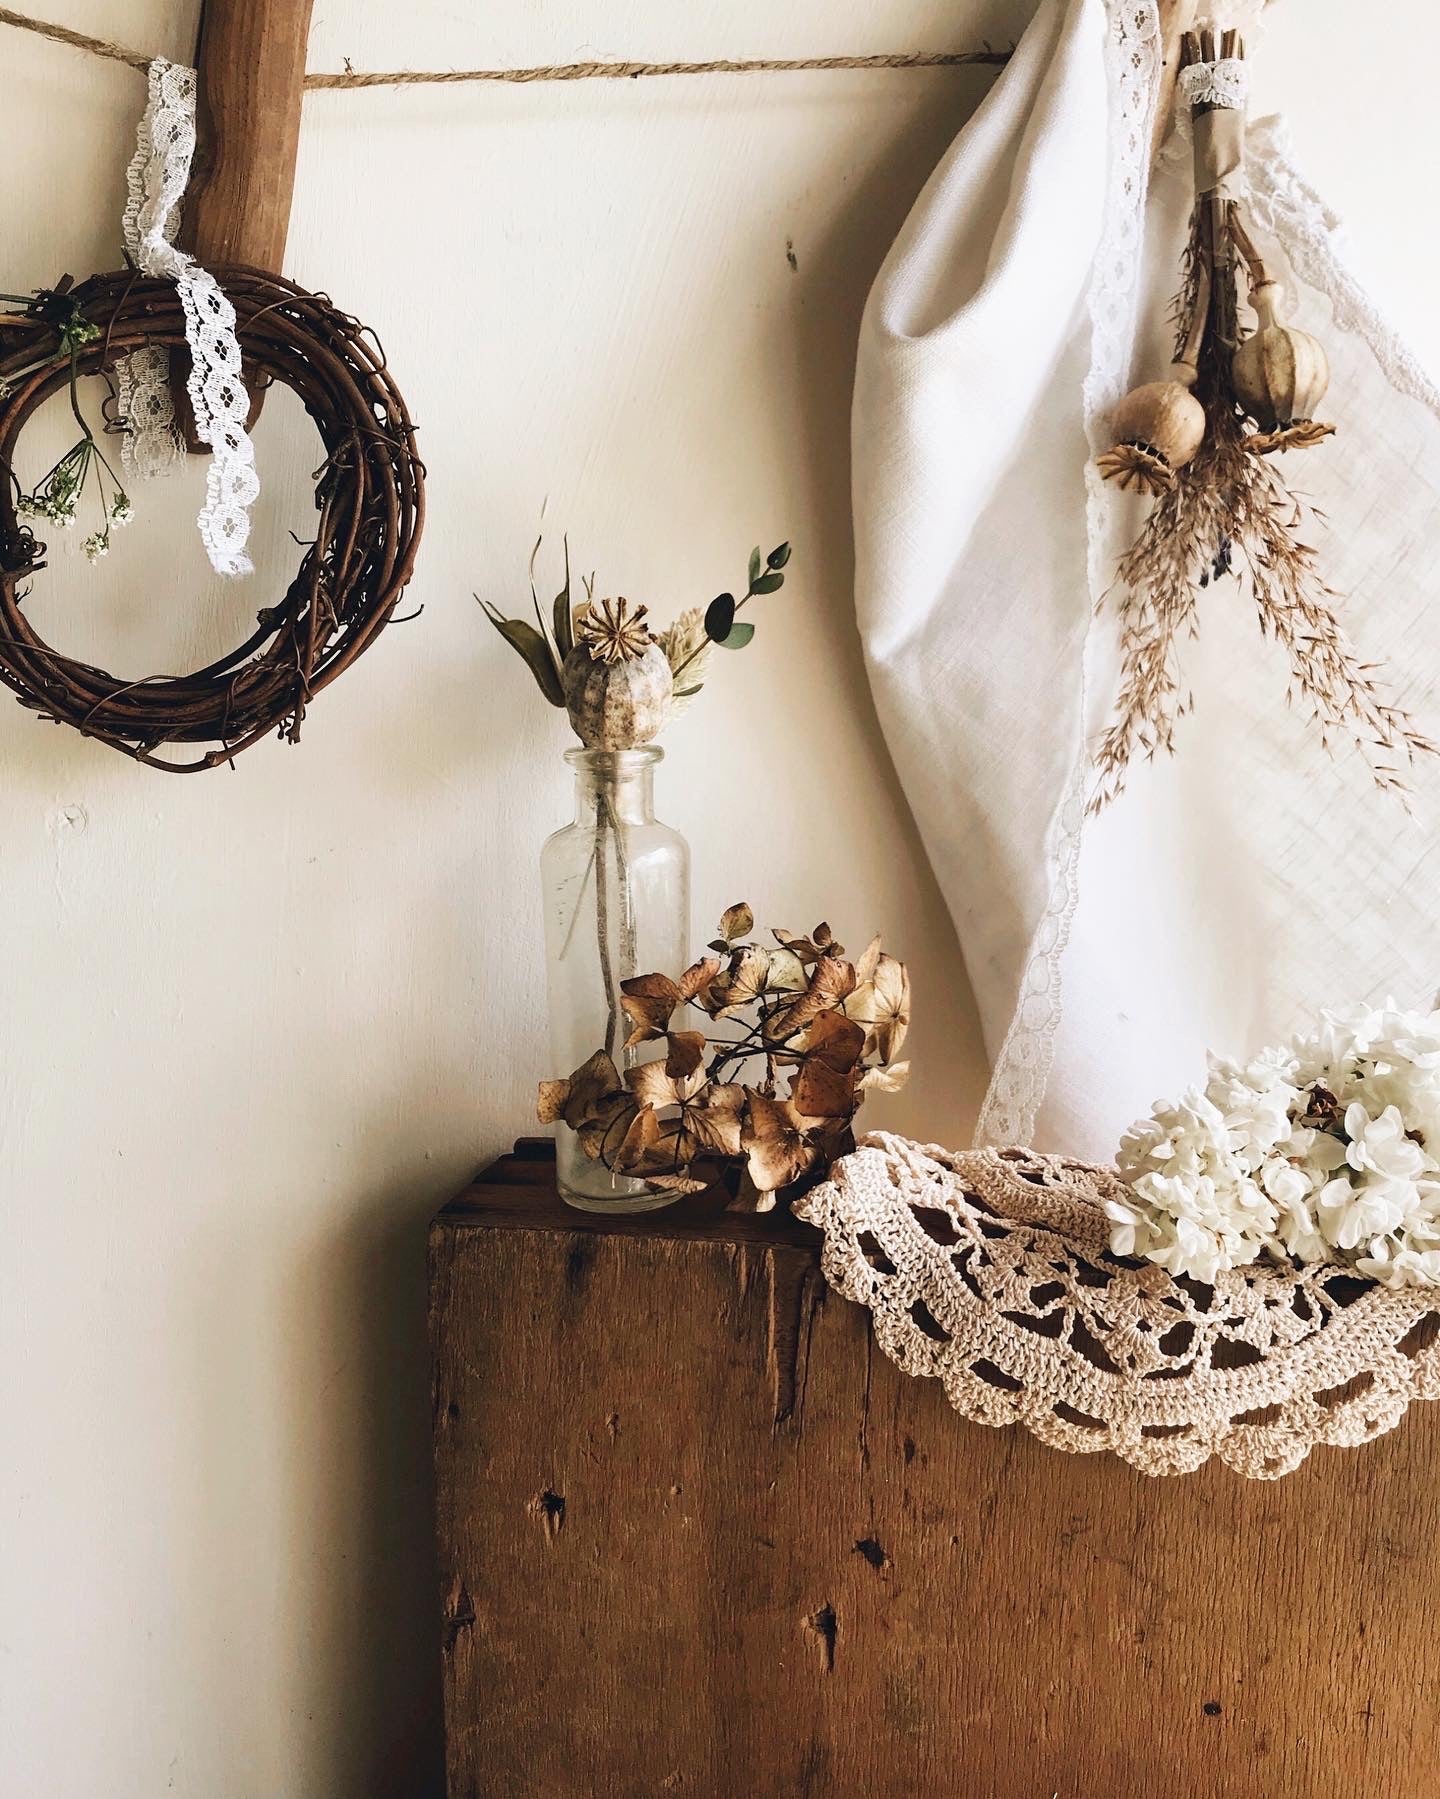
614,634
807,1033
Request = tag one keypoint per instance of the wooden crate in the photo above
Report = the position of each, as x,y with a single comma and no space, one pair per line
697,1536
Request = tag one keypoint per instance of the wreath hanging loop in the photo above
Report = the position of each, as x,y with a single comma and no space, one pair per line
369,495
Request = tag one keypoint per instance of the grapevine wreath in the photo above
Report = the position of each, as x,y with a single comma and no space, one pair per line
369,494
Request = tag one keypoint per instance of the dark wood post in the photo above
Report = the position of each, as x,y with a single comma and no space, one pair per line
251,63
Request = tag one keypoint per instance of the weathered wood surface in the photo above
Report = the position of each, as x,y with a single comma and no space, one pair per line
698,1536
251,65
251,68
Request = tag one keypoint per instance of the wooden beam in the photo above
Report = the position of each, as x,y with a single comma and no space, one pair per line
251,63
252,73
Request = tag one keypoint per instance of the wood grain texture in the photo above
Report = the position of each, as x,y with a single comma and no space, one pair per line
251,66
252,70
698,1536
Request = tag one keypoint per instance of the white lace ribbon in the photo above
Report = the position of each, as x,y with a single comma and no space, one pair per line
1225,83
157,178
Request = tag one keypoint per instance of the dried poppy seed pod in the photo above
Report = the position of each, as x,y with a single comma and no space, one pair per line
616,679
1158,428
1280,373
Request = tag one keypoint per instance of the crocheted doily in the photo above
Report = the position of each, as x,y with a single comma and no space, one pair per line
990,1270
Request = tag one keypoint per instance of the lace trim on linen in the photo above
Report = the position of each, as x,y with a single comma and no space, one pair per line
156,181
1287,209
1133,63
990,1271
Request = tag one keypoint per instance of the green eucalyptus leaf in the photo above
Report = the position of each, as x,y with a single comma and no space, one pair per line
779,557
768,583
719,617
528,643
754,564
737,637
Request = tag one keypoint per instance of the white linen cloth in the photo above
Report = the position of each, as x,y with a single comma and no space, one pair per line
1233,891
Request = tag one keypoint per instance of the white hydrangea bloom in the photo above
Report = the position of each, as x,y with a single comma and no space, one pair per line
1321,1149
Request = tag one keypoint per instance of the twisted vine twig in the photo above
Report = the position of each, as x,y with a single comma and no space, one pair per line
369,494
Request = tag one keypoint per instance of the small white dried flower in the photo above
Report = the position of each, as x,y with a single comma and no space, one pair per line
97,545
121,511
687,650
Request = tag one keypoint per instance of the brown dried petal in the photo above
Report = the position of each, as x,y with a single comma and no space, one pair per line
698,978
745,980
714,1120
892,1007
550,1106
825,1084
608,1128
787,972
832,980
583,1094
885,1080
801,947
685,1053
677,1183
654,1085
865,963
736,921
776,1148
639,1140
1302,434
647,1000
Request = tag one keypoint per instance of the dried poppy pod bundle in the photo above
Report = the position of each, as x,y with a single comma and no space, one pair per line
1158,428
1221,508
616,678
1279,375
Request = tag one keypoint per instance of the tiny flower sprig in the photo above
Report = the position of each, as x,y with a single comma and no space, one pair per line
807,1033
57,496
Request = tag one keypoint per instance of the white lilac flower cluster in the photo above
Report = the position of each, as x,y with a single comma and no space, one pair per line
1323,1149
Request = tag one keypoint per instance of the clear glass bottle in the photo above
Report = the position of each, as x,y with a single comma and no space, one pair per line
617,904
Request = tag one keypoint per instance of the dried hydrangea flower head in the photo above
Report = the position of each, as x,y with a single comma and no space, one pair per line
800,1013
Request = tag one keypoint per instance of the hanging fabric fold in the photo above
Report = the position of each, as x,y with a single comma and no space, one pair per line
1239,887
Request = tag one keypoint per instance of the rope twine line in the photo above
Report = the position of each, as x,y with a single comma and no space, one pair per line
565,71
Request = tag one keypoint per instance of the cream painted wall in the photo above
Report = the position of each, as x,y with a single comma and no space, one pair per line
256,1026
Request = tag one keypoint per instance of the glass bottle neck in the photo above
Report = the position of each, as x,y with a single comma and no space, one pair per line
614,786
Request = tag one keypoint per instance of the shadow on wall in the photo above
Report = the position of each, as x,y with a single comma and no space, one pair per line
834,276
364,1537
